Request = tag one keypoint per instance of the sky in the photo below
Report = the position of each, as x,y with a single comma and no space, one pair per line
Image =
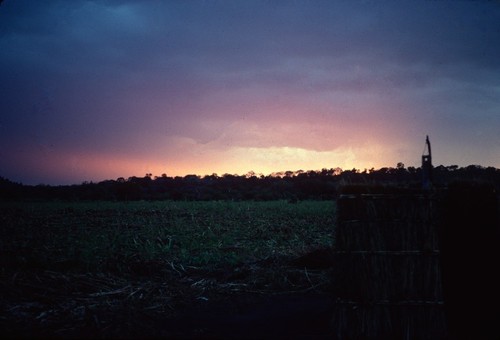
96,90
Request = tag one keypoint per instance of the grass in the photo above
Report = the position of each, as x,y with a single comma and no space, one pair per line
118,269
113,236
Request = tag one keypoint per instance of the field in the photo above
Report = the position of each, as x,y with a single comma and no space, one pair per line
123,268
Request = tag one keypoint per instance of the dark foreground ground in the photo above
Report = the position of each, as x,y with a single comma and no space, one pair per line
266,299
290,316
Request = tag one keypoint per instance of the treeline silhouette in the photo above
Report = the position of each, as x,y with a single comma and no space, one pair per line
289,185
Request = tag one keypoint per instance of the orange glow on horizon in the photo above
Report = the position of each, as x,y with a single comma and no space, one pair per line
190,158
241,160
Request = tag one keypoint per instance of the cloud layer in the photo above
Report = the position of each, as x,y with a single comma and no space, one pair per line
125,87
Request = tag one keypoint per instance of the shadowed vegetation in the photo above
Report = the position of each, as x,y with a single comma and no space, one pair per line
102,267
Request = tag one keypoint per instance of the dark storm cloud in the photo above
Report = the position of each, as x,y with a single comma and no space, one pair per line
118,76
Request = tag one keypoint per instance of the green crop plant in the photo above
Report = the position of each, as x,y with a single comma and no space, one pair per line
116,236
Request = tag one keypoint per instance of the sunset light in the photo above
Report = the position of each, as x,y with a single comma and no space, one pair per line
100,90
255,169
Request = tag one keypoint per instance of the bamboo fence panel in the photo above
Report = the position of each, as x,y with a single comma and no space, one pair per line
387,277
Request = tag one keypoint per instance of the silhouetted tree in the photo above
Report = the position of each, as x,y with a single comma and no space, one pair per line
289,185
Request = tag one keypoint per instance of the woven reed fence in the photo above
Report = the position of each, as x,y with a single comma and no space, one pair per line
387,277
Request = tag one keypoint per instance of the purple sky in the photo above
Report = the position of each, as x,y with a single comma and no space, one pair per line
95,90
